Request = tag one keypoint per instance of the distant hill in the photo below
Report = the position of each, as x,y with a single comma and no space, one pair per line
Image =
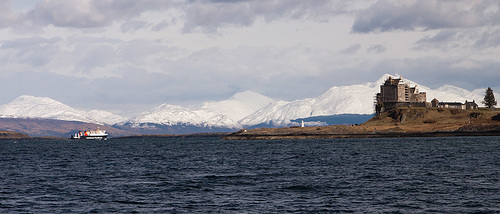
12,135
54,128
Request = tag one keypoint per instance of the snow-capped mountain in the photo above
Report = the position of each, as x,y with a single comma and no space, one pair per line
225,113
171,115
356,99
353,99
105,117
42,107
243,109
239,105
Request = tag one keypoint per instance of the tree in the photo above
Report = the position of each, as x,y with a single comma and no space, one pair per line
489,99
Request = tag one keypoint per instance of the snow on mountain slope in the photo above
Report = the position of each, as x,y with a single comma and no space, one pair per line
176,115
353,99
105,117
224,113
278,113
239,105
449,93
42,107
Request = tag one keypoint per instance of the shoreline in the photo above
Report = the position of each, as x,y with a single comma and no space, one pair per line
291,136
364,135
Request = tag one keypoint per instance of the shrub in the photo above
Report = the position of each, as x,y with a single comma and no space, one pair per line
430,121
474,115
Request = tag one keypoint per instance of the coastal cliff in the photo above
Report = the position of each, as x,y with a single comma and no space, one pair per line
400,122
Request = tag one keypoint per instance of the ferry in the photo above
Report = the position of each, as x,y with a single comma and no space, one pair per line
91,135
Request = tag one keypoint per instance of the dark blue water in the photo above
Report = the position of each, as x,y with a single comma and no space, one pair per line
409,175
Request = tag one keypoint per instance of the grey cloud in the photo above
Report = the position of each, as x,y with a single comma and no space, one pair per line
28,43
228,1
34,51
82,56
351,49
209,16
92,13
162,25
389,15
442,36
443,40
98,57
7,16
133,26
376,49
491,38
449,39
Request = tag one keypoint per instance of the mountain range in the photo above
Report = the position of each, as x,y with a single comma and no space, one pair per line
243,109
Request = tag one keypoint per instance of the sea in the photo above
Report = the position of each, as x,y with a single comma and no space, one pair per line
211,175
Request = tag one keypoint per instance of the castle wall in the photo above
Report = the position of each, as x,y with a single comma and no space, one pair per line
420,97
394,94
402,93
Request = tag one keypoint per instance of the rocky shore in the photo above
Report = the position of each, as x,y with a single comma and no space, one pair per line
401,122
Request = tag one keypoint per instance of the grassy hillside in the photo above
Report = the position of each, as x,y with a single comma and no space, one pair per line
434,119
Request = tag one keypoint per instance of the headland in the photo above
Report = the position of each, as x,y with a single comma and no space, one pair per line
397,122
7,135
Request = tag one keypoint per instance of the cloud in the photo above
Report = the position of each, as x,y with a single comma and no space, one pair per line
489,39
377,49
460,39
7,15
466,65
211,16
35,52
441,40
438,71
83,57
351,49
90,13
392,15
206,16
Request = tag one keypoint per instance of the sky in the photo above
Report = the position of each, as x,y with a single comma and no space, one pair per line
128,56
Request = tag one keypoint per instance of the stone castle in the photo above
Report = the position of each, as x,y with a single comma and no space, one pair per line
396,93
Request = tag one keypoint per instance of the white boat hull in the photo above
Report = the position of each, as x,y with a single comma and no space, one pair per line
90,135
